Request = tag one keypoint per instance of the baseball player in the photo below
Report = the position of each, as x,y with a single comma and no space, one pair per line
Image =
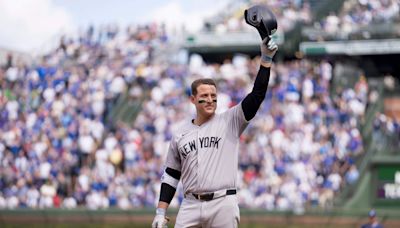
203,154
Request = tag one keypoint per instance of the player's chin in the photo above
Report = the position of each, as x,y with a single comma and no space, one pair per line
209,111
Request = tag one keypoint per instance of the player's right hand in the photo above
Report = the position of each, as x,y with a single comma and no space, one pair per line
268,49
160,221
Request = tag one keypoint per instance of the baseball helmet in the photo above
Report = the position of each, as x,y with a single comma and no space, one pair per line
262,18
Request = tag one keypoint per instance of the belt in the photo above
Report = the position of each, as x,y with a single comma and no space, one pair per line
214,195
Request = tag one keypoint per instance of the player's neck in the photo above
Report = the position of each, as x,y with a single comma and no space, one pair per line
201,119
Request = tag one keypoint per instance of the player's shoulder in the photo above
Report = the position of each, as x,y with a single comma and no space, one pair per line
181,127
231,110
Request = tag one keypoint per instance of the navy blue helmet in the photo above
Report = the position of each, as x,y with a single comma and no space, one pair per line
262,18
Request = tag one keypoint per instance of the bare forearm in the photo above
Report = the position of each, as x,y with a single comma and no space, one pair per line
163,205
266,64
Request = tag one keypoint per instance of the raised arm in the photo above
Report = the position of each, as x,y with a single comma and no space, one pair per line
251,103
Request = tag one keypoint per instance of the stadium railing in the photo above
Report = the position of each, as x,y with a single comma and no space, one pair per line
125,109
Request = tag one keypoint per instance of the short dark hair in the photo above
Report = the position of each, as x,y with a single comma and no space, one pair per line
202,81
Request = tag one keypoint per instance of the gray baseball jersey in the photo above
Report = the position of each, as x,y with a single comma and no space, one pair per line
207,155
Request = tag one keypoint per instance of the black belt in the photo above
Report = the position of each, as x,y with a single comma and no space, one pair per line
210,196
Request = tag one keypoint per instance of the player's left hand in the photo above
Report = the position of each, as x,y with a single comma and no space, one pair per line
268,50
160,221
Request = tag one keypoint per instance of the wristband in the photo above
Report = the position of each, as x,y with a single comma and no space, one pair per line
266,58
160,211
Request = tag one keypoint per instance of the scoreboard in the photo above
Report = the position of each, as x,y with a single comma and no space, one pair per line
386,182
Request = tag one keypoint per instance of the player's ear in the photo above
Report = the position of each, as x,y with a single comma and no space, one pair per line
192,99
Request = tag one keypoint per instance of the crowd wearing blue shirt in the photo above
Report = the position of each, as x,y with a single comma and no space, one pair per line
59,149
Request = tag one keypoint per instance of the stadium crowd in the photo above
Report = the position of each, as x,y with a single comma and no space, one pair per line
351,18
288,13
386,133
57,148
55,142
358,13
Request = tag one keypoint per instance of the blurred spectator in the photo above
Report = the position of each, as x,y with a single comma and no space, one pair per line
352,175
386,133
372,221
389,82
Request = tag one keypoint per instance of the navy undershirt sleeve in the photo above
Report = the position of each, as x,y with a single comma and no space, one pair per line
251,103
167,192
173,173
